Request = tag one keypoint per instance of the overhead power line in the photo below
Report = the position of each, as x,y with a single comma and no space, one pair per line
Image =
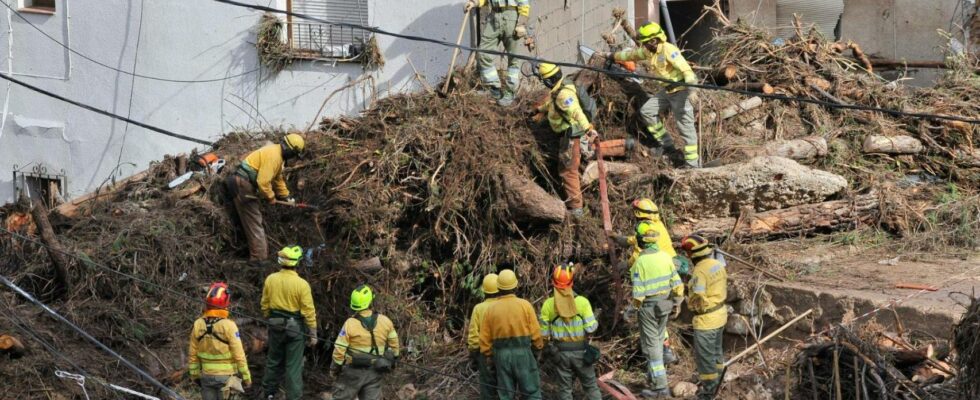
104,65
624,74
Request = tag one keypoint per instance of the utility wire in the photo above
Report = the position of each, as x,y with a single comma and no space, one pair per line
103,112
623,74
166,289
101,64
90,338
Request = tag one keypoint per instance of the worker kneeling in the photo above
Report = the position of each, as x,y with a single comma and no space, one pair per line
215,353
366,348
657,290
566,322
707,292
509,337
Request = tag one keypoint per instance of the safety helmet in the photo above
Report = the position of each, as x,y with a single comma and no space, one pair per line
289,256
563,275
361,298
645,209
695,246
646,235
490,284
547,70
649,31
507,280
218,296
295,143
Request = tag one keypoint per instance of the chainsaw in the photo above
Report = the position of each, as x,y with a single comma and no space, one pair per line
625,67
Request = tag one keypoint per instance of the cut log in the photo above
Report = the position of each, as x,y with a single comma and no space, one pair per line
71,208
724,74
760,184
808,148
735,109
789,222
892,144
818,82
55,251
11,346
528,202
368,265
760,87
617,169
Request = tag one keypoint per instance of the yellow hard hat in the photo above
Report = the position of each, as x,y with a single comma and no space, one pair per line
547,70
507,280
646,234
490,284
695,246
649,31
645,209
289,256
361,298
295,142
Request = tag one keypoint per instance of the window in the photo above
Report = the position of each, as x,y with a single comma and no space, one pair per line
312,39
37,183
37,6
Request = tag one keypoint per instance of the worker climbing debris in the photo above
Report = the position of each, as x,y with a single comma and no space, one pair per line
665,61
706,296
488,381
287,302
567,117
510,338
215,353
507,25
366,349
566,323
658,293
261,174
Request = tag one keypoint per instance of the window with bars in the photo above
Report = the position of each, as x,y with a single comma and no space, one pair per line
37,6
318,40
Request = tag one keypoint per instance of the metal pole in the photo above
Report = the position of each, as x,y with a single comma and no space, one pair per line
665,18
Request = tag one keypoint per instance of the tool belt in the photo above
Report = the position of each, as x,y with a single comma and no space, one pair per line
246,171
710,310
571,346
504,8
651,301
512,343
289,322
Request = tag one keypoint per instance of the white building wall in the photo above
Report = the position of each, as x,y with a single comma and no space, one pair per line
188,39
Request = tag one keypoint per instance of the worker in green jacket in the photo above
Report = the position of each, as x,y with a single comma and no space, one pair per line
566,323
507,25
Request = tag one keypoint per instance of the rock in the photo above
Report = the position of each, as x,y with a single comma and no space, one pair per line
684,389
892,144
528,202
737,325
760,184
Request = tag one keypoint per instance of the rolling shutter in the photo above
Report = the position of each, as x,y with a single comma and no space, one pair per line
822,13
328,39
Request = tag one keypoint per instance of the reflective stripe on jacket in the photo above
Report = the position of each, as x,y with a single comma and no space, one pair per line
286,291
564,110
476,318
267,162
653,275
509,317
707,289
208,354
571,330
667,62
354,338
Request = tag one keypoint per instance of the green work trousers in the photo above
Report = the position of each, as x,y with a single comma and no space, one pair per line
285,355
709,357
211,386
500,29
488,381
359,383
570,366
653,324
517,373
683,111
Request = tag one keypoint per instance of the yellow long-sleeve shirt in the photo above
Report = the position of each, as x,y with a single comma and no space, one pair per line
267,163
564,110
523,6
476,318
286,291
209,354
667,62
354,338
509,317
707,290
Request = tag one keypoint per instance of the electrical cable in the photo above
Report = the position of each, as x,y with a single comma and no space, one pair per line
101,64
103,112
623,74
89,337
88,261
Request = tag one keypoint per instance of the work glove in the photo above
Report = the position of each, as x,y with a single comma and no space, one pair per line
471,4
287,199
675,312
621,240
335,369
247,384
311,341
520,31
271,200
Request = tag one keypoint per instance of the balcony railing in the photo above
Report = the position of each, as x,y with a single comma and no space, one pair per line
327,41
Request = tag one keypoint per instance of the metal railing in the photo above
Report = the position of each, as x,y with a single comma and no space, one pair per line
327,41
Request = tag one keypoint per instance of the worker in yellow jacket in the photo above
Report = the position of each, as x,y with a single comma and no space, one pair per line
507,25
657,292
287,302
488,381
664,61
259,178
567,118
215,352
510,336
706,296
566,323
366,348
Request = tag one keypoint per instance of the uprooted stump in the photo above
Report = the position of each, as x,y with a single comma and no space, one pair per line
760,184
528,202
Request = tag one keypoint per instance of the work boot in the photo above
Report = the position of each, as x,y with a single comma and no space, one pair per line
507,99
691,164
494,92
655,394
669,357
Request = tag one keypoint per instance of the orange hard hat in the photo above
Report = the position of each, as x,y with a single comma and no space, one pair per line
563,275
218,295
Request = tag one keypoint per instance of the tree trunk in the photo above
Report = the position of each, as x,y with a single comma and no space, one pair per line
528,202
808,148
55,251
735,109
892,144
724,74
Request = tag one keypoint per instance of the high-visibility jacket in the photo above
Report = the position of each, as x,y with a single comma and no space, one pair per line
667,62
523,7
510,320
707,291
653,275
286,291
564,110
264,168
355,338
218,352
554,327
476,318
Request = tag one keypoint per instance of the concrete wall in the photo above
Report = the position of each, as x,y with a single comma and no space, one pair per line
195,40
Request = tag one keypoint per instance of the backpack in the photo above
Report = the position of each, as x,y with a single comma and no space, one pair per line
585,100
209,330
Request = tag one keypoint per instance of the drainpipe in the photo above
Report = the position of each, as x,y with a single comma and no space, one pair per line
665,18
